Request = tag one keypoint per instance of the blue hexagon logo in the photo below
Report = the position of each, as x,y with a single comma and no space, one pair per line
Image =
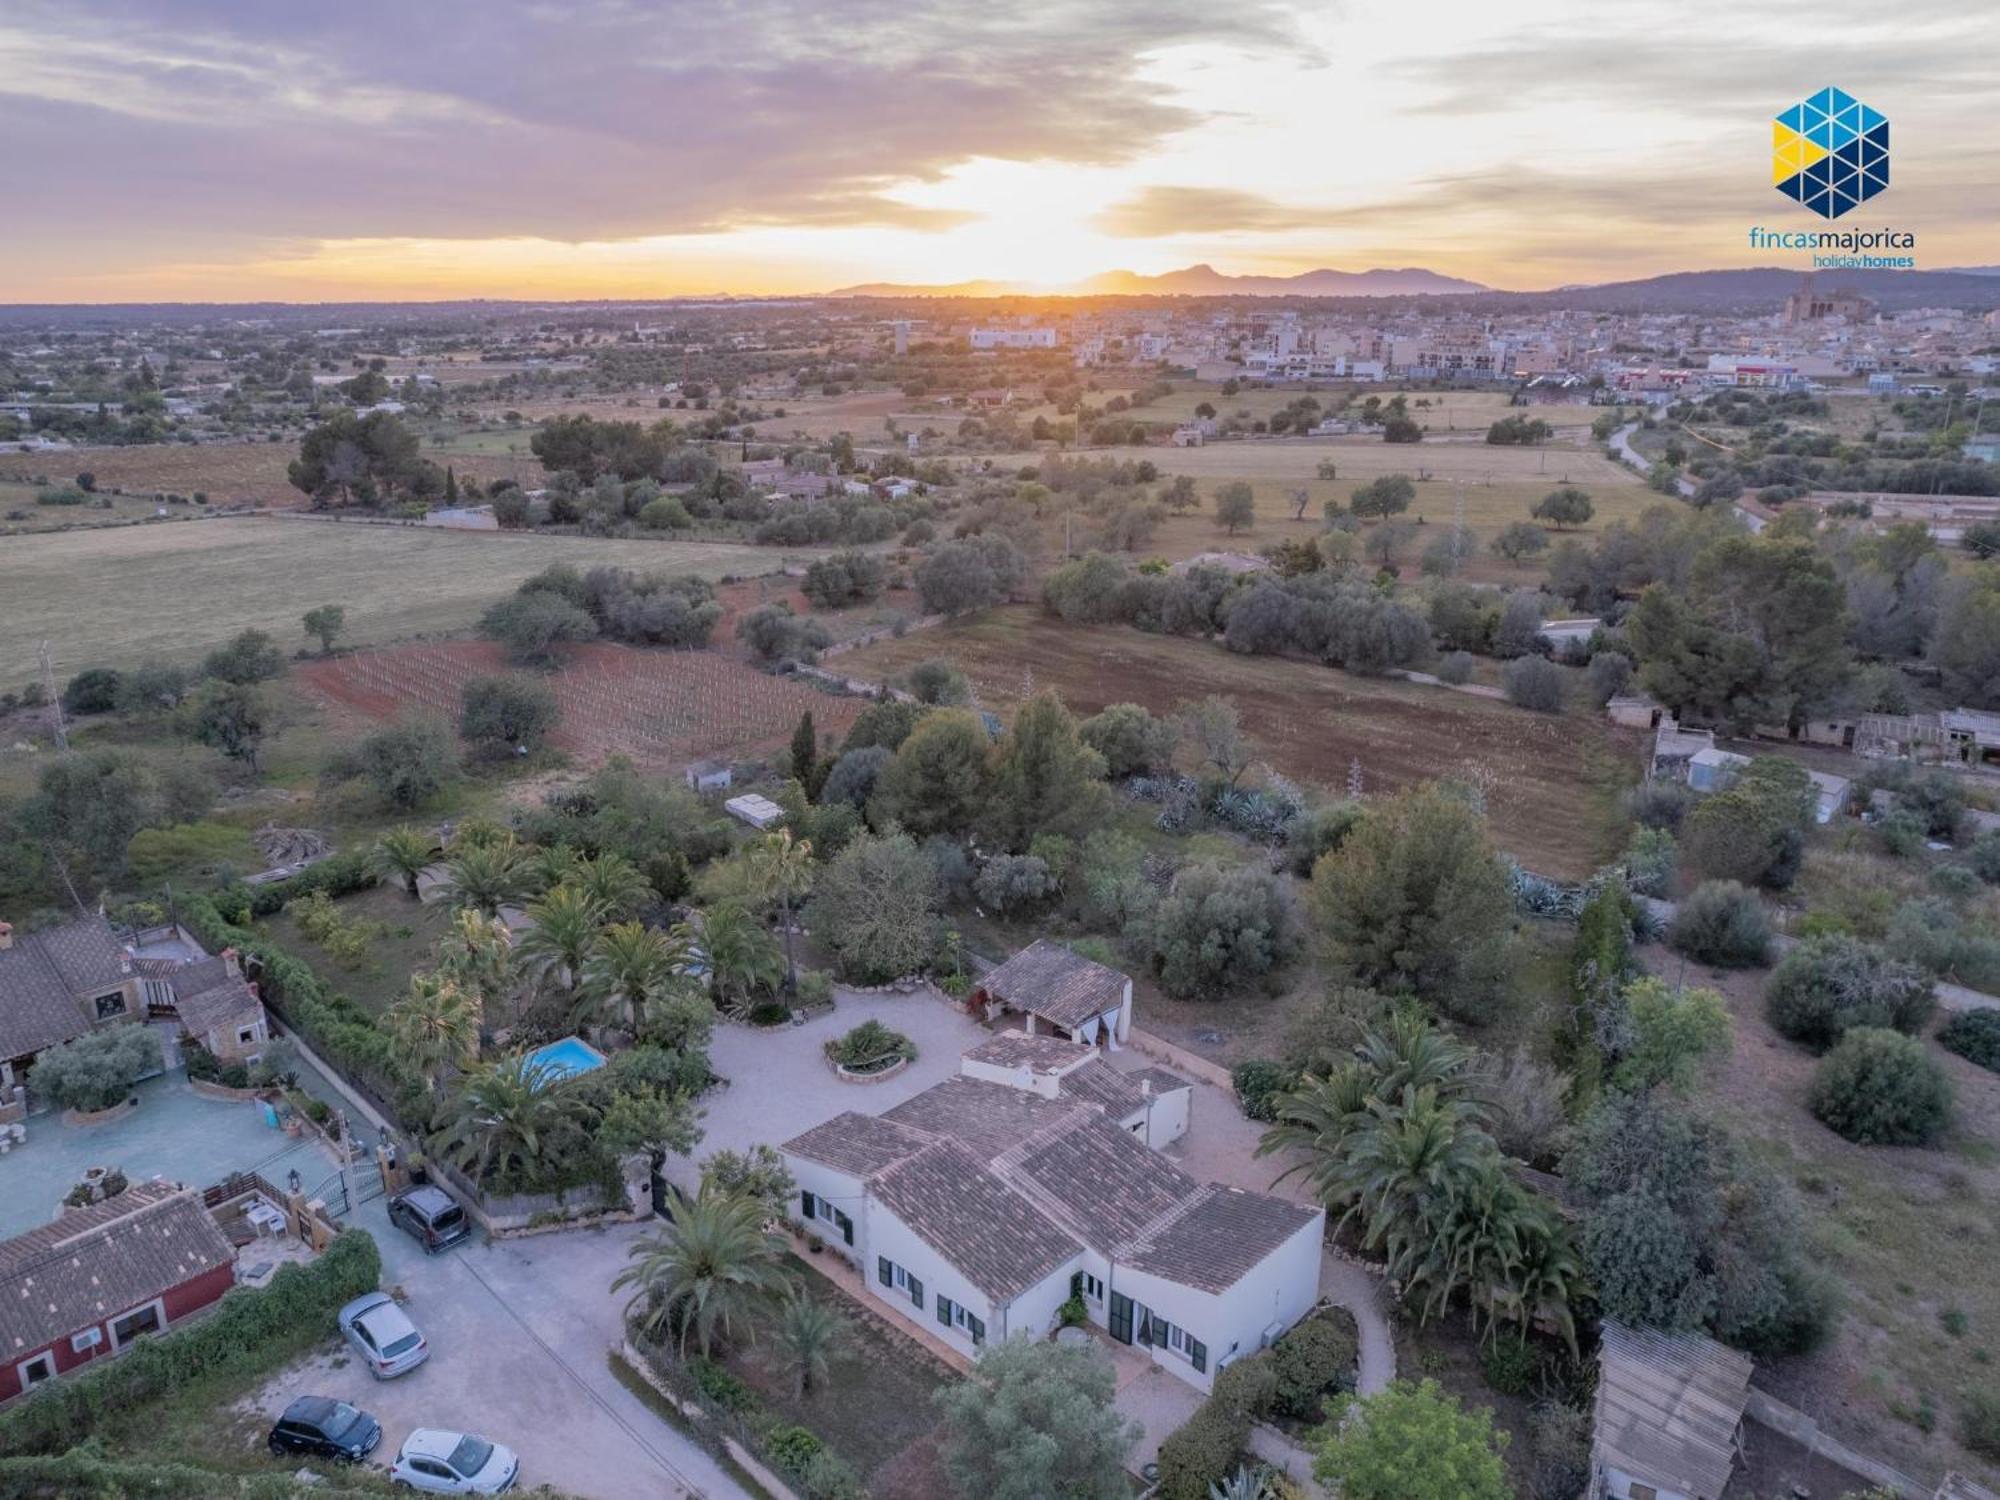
1830,152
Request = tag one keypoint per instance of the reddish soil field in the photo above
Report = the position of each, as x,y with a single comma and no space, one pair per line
660,708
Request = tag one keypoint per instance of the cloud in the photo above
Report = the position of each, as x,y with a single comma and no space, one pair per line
1160,210
596,120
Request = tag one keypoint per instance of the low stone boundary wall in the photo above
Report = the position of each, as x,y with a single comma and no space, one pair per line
1804,1430
227,1095
1162,1050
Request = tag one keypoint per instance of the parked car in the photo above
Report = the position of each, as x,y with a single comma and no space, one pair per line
383,1335
429,1216
453,1463
320,1427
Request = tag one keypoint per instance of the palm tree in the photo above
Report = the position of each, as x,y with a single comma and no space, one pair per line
502,1118
706,1271
565,924
742,957
813,1334
614,883
1408,1052
438,1023
403,854
782,869
1544,1279
478,952
486,876
552,864
626,965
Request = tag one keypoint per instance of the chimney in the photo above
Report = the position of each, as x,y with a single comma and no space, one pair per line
6,936
1146,1088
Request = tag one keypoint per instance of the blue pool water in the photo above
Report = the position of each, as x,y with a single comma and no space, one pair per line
567,1058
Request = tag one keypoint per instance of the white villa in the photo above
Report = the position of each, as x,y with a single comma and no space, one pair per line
984,1203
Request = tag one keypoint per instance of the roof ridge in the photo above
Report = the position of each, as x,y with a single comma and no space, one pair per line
1162,1222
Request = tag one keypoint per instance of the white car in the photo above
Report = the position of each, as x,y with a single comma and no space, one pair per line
383,1335
453,1463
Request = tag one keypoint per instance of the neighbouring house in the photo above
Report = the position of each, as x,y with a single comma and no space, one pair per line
1152,1104
1829,794
58,983
979,1208
87,1285
1674,747
1238,563
1055,988
1668,1409
708,776
1563,633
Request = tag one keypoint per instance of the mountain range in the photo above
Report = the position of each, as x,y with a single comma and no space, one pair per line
1199,281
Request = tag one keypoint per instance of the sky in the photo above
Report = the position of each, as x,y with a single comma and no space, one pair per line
240,150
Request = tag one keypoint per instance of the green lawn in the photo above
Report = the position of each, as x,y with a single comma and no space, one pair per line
407,929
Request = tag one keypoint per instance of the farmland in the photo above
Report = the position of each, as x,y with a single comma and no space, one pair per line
228,473
1551,783
660,708
113,597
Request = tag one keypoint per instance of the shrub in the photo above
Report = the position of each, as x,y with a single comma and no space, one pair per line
1249,1386
92,691
1510,1364
1979,1422
1722,925
845,578
939,682
1202,1451
869,1043
1984,856
1218,930
1132,741
1652,861
97,1069
501,714
1316,1357
1534,682
1880,1088
1559,1445
1974,1036
1456,668
1659,803
663,514
1829,985
1258,1082
1011,884
247,1334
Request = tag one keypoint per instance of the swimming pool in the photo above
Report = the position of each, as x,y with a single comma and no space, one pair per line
567,1058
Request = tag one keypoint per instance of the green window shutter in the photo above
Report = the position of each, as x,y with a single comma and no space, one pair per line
976,1328
884,1272
846,1226
916,1291
808,1205
1198,1356
1121,1317
944,1310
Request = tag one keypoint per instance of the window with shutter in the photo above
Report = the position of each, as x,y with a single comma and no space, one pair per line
1198,1356
944,1310
808,1205
1076,1283
976,1328
884,1271
846,1226
916,1291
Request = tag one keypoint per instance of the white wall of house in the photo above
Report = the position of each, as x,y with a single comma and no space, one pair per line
1279,1290
1167,1117
1023,1077
1036,1311
843,1192
889,1236
1616,1484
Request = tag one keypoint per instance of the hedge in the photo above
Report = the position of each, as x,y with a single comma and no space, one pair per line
1313,1359
1204,1450
337,875
247,1334
333,1026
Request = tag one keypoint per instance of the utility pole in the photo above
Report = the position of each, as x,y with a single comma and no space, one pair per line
55,699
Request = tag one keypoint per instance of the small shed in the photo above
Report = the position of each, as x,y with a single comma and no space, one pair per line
1830,794
1073,996
708,776
1667,1414
1634,710
755,809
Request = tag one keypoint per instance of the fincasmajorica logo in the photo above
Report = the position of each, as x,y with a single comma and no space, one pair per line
1830,152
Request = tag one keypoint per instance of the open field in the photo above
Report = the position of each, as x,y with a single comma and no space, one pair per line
1909,1233
20,513
228,473
1551,783
114,597
1446,411
658,707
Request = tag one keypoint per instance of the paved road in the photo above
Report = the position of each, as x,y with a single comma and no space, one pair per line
519,1331
1621,444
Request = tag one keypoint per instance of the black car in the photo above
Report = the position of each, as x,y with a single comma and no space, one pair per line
321,1427
430,1217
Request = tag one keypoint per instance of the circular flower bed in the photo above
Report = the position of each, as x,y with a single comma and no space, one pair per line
870,1052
